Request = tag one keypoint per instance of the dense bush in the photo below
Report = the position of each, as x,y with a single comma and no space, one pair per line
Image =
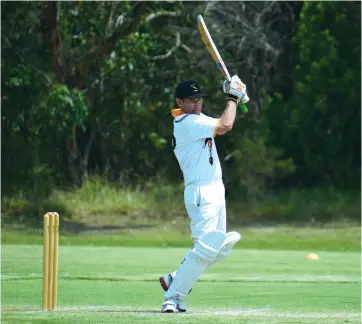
91,92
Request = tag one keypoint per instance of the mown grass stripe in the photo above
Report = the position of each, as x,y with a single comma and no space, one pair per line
151,311
282,279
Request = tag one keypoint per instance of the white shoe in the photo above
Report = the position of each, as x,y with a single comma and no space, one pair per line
172,304
169,306
165,282
181,307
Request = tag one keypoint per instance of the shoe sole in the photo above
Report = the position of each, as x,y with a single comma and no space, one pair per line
168,310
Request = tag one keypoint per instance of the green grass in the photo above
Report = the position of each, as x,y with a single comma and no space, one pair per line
119,285
272,238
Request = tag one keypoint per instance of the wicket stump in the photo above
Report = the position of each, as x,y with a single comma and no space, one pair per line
50,260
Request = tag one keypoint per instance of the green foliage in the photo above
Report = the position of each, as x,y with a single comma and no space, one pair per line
63,109
258,167
314,206
319,125
99,201
96,100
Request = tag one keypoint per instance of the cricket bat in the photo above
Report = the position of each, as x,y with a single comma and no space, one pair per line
209,43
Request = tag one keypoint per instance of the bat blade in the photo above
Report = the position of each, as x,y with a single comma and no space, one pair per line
211,47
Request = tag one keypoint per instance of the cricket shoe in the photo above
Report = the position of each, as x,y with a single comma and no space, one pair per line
165,282
181,307
172,304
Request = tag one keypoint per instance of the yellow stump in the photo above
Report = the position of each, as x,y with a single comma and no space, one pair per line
46,262
50,260
55,261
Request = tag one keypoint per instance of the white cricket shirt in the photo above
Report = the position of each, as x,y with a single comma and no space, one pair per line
194,147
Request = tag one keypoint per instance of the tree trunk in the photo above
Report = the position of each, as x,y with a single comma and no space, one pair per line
72,156
78,157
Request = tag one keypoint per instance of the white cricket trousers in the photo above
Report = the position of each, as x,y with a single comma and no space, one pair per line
205,204
206,207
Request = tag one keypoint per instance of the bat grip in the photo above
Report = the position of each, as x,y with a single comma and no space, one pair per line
244,109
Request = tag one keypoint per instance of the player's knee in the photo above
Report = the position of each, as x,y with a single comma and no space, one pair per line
206,249
225,250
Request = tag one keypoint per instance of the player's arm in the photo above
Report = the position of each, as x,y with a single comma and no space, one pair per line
236,92
227,119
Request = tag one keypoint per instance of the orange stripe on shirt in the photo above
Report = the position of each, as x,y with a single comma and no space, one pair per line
176,112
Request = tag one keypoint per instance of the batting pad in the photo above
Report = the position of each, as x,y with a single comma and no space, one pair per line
195,263
231,239
207,248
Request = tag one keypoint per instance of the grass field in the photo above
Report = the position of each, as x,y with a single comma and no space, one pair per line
120,285
335,238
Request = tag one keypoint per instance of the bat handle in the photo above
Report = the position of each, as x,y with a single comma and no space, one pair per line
244,109
243,106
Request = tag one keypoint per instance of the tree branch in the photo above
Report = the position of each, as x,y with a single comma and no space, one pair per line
121,32
107,19
124,30
32,66
186,48
169,53
162,13
51,31
49,81
172,49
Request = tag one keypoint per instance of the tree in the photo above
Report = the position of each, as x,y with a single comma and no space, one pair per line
254,38
87,53
319,124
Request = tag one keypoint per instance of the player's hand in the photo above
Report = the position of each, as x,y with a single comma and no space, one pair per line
236,90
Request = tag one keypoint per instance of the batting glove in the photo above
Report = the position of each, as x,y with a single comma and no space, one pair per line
236,90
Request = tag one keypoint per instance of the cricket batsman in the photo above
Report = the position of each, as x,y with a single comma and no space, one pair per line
204,194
